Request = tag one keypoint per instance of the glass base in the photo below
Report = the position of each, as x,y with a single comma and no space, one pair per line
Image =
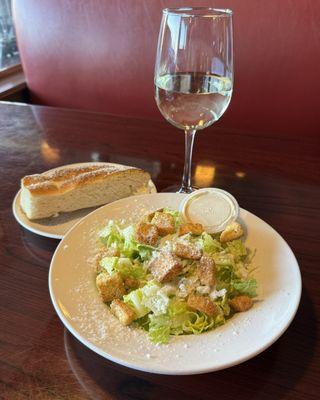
179,189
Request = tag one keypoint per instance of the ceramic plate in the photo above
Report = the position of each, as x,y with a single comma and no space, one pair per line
75,298
55,227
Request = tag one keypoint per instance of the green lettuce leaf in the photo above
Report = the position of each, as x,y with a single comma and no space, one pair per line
125,267
158,303
180,320
135,300
149,298
145,251
245,286
209,244
176,215
223,303
111,236
143,322
109,264
122,239
198,322
179,315
131,248
159,328
224,275
228,279
223,259
237,249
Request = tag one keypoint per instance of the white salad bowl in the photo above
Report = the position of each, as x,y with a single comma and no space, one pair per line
77,302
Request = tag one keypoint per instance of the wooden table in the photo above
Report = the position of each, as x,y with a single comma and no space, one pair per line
275,176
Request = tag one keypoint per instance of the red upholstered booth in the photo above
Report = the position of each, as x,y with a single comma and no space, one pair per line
99,55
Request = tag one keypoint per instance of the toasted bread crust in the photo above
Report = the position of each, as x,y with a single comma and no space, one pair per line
165,266
67,178
203,304
206,271
241,303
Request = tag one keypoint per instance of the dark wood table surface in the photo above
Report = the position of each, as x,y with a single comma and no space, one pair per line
275,176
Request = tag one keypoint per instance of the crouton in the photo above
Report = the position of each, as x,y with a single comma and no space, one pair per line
204,304
206,271
195,229
232,232
165,266
131,283
148,218
164,223
122,311
110,286
147,234
189,251
241,303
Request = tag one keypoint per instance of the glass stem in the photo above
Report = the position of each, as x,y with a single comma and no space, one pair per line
186,179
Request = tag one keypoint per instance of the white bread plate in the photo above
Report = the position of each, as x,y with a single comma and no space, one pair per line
56,227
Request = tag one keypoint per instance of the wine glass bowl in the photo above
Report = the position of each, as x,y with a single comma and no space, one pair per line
194,71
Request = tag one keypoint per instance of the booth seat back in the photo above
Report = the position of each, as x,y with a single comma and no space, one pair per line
99,55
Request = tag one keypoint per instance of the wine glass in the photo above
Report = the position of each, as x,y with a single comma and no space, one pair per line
194,72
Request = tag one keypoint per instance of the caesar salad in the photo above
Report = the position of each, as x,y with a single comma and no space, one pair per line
170,277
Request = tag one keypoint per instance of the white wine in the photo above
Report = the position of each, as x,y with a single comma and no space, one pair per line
192,100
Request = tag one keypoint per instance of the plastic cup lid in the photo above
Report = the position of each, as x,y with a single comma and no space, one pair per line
213,208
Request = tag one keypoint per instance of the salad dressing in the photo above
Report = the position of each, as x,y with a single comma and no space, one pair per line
213,208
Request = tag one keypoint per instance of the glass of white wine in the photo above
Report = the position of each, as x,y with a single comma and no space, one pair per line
194,72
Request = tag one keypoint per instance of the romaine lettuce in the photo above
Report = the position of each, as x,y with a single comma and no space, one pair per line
111,235
209,244
148,298
223,303
179,320
245,286
135,300
123,240
237,249
176,215
227,278
125,267
159,328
